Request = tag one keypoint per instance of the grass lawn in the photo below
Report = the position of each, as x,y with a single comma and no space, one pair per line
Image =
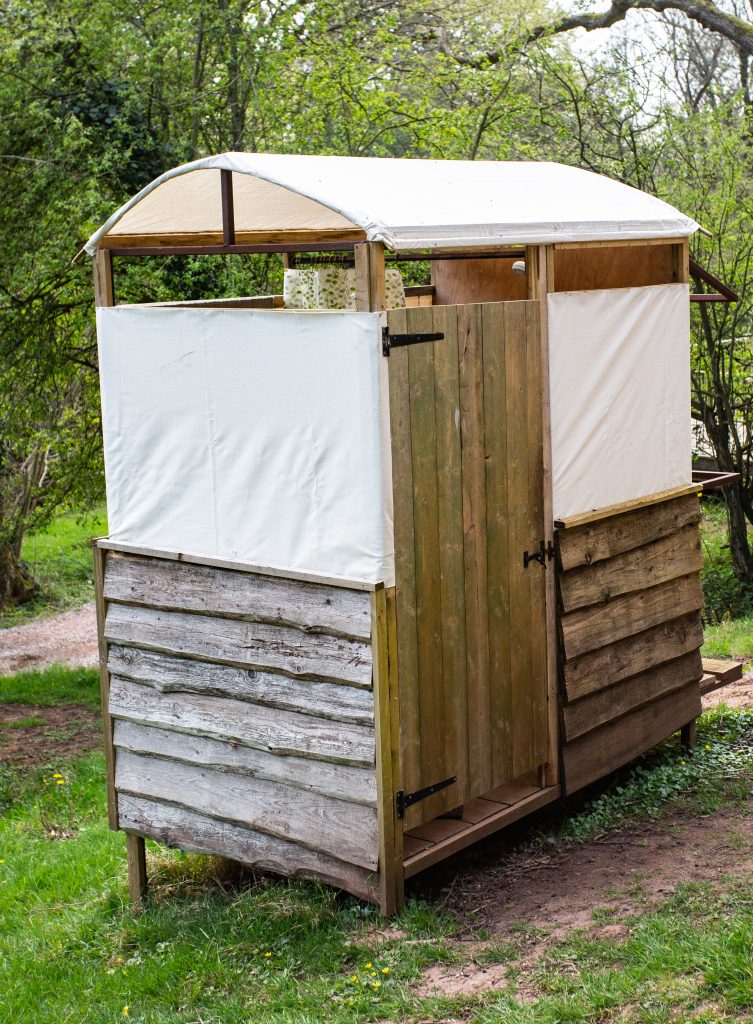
728,616
60,559
275,952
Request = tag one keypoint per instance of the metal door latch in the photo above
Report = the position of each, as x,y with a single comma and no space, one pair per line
546,551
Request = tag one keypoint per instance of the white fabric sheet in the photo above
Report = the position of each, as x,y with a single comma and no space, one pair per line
255,436
407,204
619,366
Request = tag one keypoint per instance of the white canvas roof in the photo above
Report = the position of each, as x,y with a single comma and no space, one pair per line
407,204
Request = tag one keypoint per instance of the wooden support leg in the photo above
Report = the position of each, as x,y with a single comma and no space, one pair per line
137,880
688,734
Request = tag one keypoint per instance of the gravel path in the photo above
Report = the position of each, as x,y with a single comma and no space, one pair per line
69,639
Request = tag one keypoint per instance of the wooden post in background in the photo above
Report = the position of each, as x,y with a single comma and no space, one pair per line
104,282
370,287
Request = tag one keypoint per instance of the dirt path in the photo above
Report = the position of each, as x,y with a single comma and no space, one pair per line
68,639
32,735
533,900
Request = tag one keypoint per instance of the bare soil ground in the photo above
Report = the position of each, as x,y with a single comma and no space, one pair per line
533,901
66,639
32,735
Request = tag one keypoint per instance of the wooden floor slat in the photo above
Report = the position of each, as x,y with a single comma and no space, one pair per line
438,830
476,810
512,792
457,835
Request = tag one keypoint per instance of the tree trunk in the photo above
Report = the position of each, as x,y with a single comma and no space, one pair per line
16,584
738,535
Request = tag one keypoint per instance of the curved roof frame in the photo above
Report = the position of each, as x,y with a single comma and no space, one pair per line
406,204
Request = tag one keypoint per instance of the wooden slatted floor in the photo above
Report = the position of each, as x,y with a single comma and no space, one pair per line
428,844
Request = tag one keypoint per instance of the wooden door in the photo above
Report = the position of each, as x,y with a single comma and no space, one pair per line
467,464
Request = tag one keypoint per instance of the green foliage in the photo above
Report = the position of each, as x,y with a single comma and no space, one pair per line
60,557
726,596
720,766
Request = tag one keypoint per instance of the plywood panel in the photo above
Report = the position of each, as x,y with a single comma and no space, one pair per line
459,282
624,266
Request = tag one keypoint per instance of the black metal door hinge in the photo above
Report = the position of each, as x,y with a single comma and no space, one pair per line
390,341
404,800
546,551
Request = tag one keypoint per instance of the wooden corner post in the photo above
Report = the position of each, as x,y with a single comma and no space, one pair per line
391,878
371,298
104,295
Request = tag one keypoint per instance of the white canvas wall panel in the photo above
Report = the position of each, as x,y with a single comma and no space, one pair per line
619,367
255,436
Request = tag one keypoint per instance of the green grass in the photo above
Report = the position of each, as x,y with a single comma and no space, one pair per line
276,952
728,615
60,559
55,685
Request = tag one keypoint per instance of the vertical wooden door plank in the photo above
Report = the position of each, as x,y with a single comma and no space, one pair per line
452,584
545,282
405,568
498,410
428,593
470,359
523,535
537,582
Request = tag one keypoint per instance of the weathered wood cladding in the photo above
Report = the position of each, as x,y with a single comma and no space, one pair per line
466,418
242,709
630,635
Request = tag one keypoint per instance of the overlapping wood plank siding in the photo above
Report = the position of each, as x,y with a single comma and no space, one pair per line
630,630
242,712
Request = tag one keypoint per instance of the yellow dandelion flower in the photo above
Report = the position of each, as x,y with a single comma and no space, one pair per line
60,782
708,747
2,861
57,775
267,954
125,1011
368,967
354,977
376,984
385,970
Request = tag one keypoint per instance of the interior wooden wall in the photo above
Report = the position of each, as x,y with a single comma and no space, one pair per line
630,635
459,281
621,266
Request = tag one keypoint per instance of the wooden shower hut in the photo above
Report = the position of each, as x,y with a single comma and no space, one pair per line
380,582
